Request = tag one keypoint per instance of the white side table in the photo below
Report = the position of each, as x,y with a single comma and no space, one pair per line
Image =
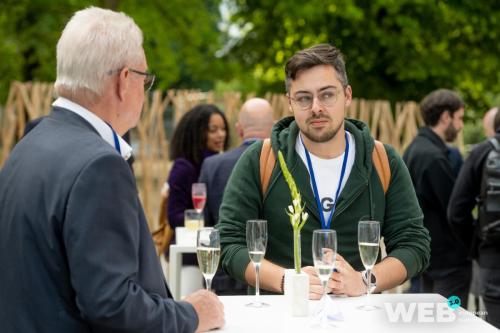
185,243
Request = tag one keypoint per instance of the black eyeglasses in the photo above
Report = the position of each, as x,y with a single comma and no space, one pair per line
149,79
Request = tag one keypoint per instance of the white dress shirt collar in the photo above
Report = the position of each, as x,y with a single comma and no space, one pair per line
100,125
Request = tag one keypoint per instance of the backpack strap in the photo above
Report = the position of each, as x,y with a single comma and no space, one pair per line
381,163
495,143
379,156
267,162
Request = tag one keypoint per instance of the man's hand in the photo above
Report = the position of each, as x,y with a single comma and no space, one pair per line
345,280
315,286
209,309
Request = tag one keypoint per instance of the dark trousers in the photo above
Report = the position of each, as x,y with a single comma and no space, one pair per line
224,285
490,279
449,282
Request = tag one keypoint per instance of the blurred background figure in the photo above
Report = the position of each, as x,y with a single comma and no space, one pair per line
477,185
255,122
488,120
200,133
432,174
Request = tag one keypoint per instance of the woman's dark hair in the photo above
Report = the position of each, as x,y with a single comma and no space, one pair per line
191,133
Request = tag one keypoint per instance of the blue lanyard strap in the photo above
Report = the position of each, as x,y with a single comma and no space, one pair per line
115,138
324,224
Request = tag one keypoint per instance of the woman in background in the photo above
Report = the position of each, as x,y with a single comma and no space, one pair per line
201,132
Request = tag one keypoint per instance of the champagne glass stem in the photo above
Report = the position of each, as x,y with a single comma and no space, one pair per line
369,287
323,301
257,289
208,282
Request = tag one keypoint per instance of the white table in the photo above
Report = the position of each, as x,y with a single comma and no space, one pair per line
185,244
277,317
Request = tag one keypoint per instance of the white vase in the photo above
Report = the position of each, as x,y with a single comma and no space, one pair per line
297,292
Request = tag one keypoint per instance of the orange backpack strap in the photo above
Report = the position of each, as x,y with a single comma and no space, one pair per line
381,163
267,162
380,160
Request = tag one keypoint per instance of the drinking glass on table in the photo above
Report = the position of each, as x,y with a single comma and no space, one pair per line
324,250
199,196
193,220
256,244
208,253
368,242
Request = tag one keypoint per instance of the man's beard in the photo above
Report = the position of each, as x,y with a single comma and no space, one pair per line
319,138
450,133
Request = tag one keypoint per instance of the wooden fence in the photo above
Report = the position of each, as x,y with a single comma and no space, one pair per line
27,101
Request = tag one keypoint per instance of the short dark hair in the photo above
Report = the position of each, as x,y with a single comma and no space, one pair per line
496,120
321,54
191,133
437,102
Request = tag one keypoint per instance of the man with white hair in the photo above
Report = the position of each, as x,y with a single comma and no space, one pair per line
75,247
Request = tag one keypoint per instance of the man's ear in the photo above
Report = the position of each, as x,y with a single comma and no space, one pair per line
348,95
239,129
445,117
122,84
290,104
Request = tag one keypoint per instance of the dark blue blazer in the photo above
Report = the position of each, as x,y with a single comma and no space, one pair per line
215,172
75,249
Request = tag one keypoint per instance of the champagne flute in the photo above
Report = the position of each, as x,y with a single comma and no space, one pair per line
208,253
199,196
324,250
369,243
256,244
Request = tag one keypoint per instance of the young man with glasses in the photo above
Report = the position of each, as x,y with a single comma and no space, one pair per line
319,141
74,241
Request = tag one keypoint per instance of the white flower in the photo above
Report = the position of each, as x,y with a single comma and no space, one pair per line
304,216
296,202
290,208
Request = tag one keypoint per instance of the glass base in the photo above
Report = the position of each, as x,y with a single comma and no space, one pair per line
368,307
326,314
257,305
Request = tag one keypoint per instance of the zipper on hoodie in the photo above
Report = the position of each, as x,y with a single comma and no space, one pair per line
351,200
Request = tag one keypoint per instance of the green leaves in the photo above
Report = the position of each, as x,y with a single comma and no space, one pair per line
180,39
395,49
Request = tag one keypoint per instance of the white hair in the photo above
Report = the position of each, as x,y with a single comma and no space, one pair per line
95,43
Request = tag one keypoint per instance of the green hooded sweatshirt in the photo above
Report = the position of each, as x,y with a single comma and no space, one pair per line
362,197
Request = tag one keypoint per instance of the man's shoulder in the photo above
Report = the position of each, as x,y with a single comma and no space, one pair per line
231,155
422,146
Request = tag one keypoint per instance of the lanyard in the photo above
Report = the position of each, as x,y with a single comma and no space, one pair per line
115,138
326,224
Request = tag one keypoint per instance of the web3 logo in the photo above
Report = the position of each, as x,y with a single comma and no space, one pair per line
422,312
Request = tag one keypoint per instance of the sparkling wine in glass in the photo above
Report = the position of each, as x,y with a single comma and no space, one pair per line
256,244
368,243
324,250
199,196
208,253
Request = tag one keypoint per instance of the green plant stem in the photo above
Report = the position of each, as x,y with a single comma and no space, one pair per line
296,250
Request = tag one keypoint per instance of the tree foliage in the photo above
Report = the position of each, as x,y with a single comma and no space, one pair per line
180,39
394,49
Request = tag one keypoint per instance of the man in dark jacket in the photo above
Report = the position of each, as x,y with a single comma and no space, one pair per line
463,199
255,121
431,171
75,248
